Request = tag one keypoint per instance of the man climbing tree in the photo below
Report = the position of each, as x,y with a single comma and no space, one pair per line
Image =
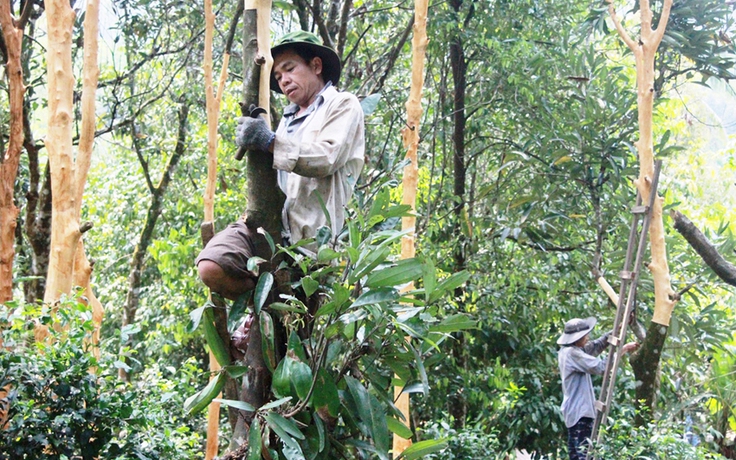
318,150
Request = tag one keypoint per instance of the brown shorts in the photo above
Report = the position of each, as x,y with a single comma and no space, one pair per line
230,249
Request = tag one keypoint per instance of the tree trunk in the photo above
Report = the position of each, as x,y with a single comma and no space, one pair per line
644,50
457,402
645,363
410,137
137,263
13,38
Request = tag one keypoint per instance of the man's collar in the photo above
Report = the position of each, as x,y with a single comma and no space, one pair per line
326,93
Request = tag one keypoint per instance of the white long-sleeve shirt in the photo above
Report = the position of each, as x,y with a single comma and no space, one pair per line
319,154
576,366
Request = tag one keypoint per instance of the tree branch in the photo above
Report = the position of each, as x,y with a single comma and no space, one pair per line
620,29
705,249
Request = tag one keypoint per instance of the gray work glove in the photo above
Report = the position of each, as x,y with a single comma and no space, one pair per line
253,134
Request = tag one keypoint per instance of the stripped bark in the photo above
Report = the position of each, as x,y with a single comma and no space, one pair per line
213,103
410,137
646,361
705,249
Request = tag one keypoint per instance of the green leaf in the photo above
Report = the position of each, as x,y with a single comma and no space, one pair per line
195,316
429,278
236,371
372,413
375,296
254,441
309,285
423,448
268,337
323,236
449,284
272,404
369,103
253,262
281,306
263,289
320,429
285,429
399,428
296,347
454,323
201,399
237,310
325,393
403,272
268,238
326,254
242,405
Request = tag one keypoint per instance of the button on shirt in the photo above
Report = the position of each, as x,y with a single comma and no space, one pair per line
576,366
319,155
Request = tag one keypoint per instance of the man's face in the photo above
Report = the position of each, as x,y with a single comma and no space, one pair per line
300,81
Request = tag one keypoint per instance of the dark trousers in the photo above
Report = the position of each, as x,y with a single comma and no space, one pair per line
578,437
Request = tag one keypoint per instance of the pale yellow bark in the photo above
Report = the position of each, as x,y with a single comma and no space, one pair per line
644,50
213,102
608,289
65,226
410,136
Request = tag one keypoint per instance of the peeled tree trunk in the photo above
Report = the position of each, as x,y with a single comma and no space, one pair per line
213,102
646,361
410,136
13,38
68,265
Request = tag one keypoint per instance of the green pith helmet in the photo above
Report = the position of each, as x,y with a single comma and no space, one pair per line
306,40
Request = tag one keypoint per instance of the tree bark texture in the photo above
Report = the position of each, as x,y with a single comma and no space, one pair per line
264,197
13,38
647,360
644,50
213,103
705,249
65,227
410,137
645,363
457,401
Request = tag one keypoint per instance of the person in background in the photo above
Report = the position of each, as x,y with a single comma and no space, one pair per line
578,360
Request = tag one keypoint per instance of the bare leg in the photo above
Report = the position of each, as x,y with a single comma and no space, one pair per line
217,280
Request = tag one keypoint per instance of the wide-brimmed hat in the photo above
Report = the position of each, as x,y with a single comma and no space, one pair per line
331,66
576,329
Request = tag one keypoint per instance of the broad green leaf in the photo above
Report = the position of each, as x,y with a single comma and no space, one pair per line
263,289
272,404
236,371
325,393
237,310
399,428
404,271
369,103
323,235
242,405
195,316
454,323
285,429
268,238
281,306
429,278
268,337
367,262
326,254
320,429
281,379
295,346
309,285
450,283
301,378
253,263
254,440
371,412
423,448
201,399
376,296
